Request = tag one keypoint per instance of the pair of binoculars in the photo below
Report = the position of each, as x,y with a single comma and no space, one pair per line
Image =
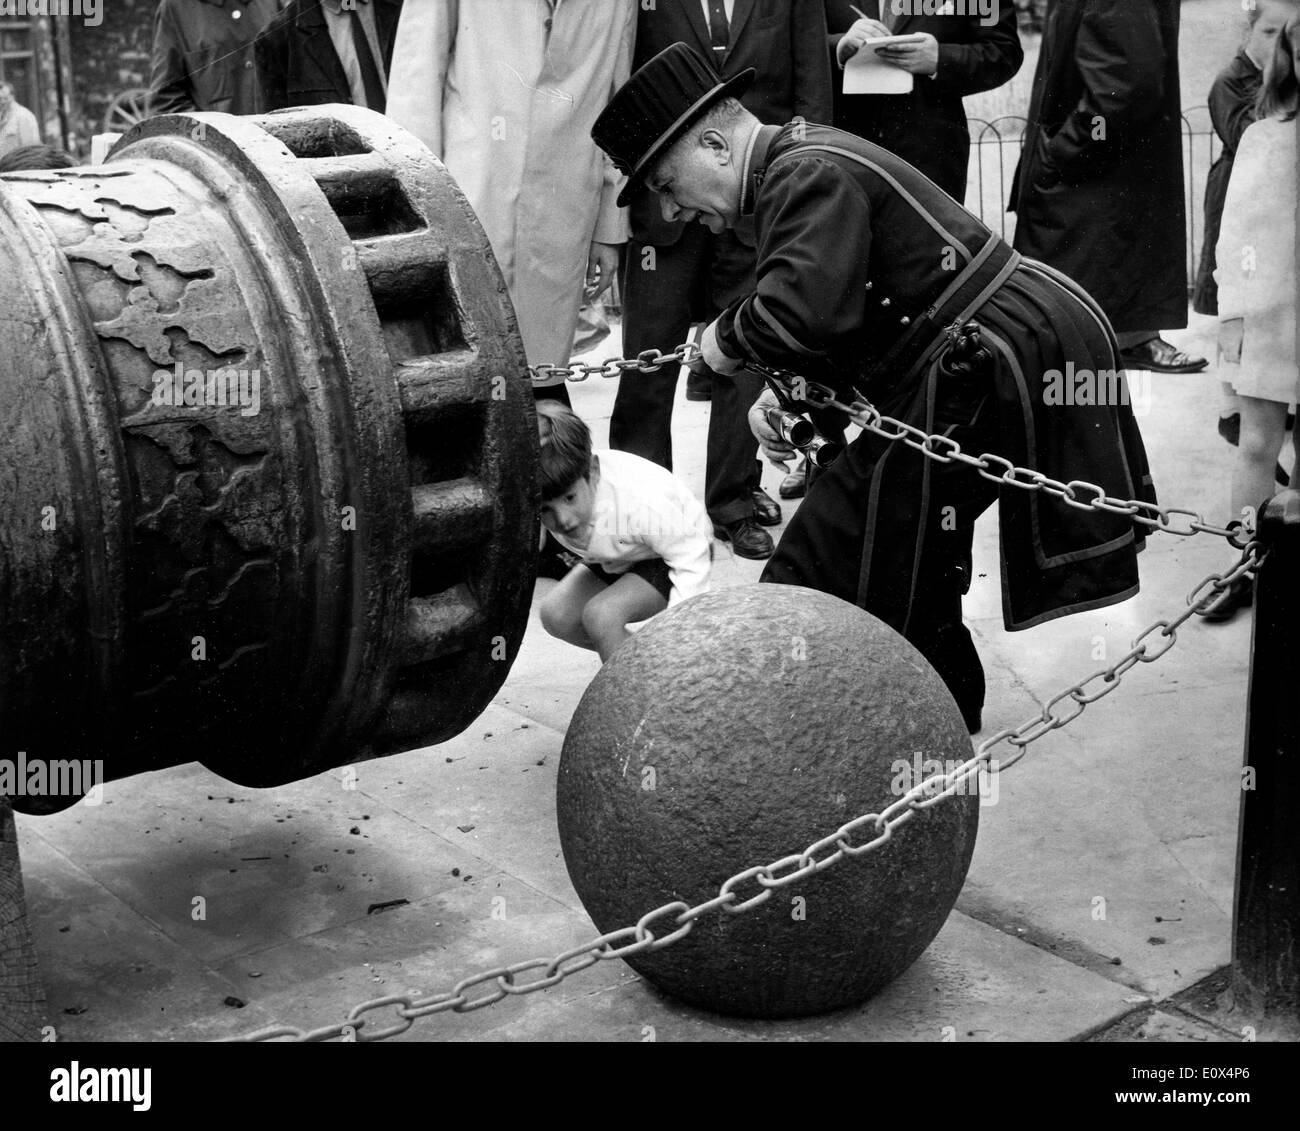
799,432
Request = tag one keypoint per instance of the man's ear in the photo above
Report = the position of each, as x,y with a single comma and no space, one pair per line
594,471
719,143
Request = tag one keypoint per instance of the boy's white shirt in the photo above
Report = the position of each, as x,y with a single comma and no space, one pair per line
642,511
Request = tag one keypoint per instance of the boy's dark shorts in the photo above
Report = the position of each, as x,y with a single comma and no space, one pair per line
654,571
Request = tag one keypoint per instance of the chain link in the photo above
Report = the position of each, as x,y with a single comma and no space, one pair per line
1149,646
870,419
645,362
1002,471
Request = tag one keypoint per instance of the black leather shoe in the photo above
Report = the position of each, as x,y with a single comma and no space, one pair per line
747,538
1240,595
795,485
1161,357
767,511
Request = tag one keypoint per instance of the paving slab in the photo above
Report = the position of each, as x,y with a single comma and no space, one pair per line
974,983
490,792
1120,837
209,863
423,949
1159,1026
111,974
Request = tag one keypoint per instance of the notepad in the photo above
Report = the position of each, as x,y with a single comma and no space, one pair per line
867,73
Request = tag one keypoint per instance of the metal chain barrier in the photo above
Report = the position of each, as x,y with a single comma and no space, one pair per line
644,362
678,919
941,449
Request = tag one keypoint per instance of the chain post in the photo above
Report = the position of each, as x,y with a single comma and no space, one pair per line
1266,912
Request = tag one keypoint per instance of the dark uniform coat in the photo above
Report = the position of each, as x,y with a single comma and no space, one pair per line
1099,191
928,126
1232,109
862,262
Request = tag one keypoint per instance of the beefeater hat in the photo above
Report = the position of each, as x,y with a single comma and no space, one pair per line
656,106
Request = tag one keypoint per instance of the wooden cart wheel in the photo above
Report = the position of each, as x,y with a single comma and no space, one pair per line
128,108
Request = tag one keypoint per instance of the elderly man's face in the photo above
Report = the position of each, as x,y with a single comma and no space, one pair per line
699,179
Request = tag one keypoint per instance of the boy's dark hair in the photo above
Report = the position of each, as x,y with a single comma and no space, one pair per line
566,448
35,157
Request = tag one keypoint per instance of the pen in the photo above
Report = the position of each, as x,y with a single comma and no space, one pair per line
859,12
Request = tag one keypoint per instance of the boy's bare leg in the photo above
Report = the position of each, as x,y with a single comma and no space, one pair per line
606,617
563,607
1263,431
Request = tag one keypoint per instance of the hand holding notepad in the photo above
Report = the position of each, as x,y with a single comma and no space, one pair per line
868,72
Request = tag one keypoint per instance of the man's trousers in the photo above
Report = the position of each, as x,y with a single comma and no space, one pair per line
665,290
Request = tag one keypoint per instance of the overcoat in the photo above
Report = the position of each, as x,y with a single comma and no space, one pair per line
505,93
1256,269
1099,190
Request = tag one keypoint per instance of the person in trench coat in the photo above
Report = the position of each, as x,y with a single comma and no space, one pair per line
506,94
1099,190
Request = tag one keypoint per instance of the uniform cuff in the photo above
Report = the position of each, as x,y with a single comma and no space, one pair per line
713,355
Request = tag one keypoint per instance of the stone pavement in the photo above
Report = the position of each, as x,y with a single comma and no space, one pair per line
1100,895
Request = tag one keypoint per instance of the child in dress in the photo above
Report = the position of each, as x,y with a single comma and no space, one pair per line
1256,274
1232,110
641,541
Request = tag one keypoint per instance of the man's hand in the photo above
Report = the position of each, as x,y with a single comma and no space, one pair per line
777,451
711,356
602,266
853,39
921,58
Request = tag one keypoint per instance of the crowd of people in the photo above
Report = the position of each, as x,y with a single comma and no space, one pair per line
705,154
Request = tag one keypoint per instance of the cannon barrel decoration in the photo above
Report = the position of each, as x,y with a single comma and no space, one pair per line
267,452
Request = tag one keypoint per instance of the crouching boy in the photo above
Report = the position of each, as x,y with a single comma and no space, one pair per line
642,541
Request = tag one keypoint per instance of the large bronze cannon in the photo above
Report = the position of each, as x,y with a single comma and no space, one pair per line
267,452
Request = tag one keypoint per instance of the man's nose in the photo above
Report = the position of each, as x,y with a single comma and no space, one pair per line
669,208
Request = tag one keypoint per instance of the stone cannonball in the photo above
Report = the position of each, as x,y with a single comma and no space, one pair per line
738,728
